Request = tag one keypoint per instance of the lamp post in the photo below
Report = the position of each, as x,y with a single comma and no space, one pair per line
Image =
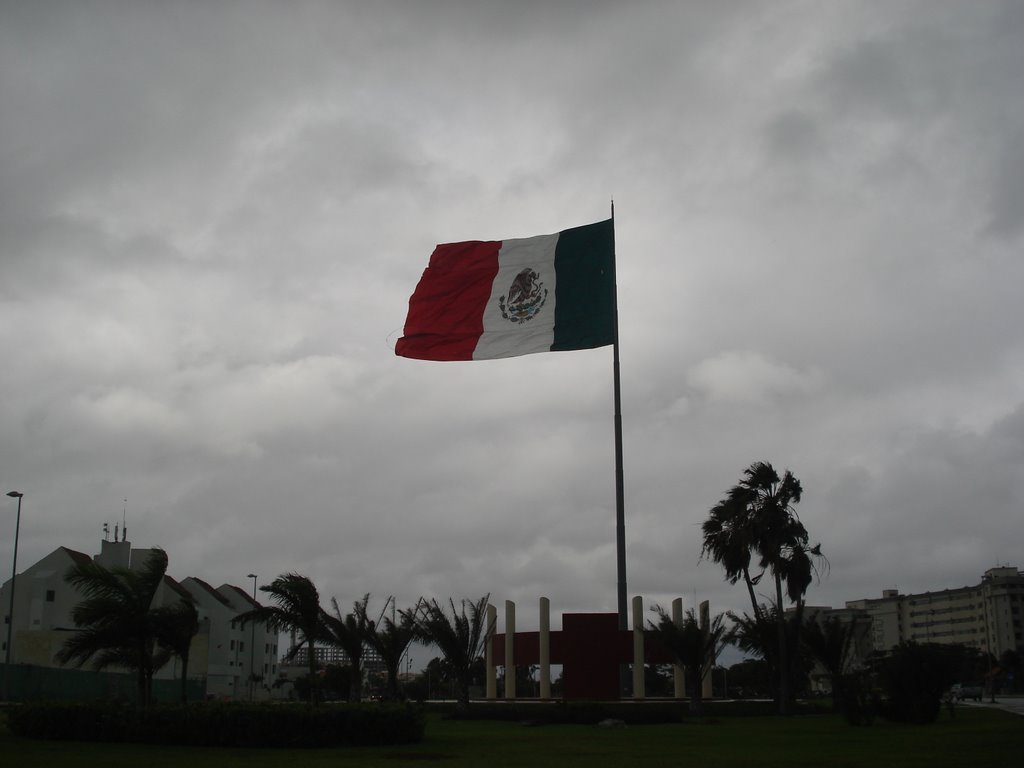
10,612
252,641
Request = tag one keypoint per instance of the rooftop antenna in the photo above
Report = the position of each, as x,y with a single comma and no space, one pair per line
106,531
124,521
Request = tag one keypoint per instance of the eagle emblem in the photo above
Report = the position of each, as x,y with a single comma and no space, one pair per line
524,299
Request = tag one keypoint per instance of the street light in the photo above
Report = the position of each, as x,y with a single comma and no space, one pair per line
252,641
10,612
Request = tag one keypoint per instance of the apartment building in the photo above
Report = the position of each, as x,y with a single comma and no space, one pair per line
328,655
986,616
241,661
232,661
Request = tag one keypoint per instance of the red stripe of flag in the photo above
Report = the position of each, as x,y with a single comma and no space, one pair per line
446,310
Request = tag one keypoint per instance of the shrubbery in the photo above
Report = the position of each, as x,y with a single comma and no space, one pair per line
563,712
227,725
914,676
648,712
858,702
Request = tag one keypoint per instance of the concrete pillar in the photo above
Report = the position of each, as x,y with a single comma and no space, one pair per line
678,673
705,621
638,647
545,648
489,662
510,665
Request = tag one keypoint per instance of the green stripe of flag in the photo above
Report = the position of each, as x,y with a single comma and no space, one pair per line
585,292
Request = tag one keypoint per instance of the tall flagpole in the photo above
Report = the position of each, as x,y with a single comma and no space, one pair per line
620,503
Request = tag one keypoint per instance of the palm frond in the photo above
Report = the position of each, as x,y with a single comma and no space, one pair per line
460,634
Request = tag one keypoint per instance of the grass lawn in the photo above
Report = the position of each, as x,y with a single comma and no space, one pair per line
975,739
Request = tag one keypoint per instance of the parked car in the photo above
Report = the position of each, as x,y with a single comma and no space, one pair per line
961,691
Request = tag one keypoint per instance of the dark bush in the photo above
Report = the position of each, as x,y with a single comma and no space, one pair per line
913,678
855,697
576,712
79,722
228,725
648,712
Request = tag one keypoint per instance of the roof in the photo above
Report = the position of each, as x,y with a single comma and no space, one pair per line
203,585
80,558
176,587
241,593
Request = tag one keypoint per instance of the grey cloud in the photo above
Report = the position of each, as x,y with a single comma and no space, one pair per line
212,218
794,137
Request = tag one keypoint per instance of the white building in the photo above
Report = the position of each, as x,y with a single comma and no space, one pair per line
42,609
223,655
986,616
241,662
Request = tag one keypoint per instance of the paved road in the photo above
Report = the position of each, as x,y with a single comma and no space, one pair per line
1013,704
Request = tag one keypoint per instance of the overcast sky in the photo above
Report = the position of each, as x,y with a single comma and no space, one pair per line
212,216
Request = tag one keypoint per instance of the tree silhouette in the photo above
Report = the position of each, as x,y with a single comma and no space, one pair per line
758,519
730,538
391,638
832,643
351,633
694,647
460,637
176,625
118,623
296,608
759,638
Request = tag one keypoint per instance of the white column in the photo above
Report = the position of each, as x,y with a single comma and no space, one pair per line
638,647
489,664
510,666
678,673
705,621
545,648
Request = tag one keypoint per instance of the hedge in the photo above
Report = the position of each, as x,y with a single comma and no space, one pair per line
644,712
226,725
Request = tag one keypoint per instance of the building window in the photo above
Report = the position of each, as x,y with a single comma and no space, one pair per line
232,645
51,595
241,645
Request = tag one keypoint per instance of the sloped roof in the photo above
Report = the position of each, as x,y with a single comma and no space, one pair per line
203,585
175,586
80,558
241,593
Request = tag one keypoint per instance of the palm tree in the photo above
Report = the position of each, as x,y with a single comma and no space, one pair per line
391,639
832,643
297,608
758,517
351,633
460,637
694,647
729,539
118,625
759,638
176,625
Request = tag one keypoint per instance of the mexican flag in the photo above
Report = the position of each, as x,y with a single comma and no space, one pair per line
479,300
